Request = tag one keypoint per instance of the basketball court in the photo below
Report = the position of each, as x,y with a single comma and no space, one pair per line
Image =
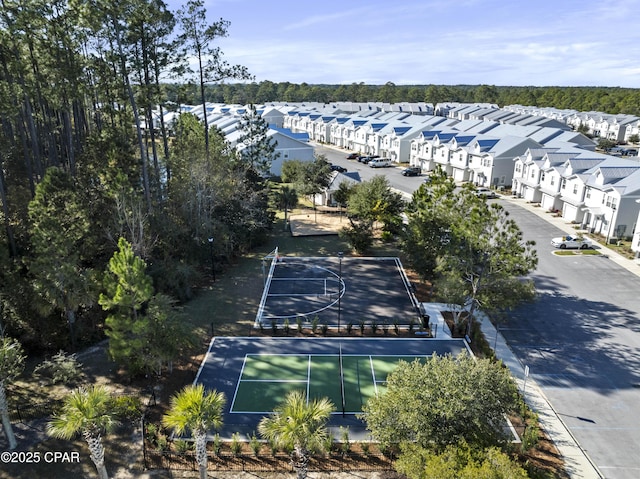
335,290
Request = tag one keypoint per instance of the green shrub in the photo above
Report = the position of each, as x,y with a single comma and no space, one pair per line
127,408
362,324
236,444
61,368
151,432
217,444
365,448
254,444
162,443
286,326
274,326
324,328
349,327
314,323
299,324
182,446
345,444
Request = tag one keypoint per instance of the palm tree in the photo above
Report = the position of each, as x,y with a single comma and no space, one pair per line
86,411
195,410
287,199
11,365
300,426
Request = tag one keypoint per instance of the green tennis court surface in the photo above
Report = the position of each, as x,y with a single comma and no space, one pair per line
256,373
348,380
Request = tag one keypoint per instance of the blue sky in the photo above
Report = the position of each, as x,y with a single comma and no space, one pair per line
498,42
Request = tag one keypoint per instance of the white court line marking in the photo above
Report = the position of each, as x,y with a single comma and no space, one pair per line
373,375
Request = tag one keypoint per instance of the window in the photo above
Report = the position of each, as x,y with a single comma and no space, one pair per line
588,194
542,176
575,189
553,181
563,184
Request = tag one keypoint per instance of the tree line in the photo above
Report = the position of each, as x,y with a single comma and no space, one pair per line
611,100
82,177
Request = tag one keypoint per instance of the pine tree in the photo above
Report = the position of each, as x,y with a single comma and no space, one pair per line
59,224
128,291
257,149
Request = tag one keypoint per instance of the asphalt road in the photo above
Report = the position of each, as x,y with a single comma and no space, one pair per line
580,338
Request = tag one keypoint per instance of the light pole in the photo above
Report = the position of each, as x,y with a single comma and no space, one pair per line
340,256
213,268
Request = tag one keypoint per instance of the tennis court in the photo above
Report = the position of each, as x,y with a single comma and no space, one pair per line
347,380
255,374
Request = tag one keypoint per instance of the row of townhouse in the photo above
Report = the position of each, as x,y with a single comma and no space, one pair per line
550,165
541,162
618,128
482,152
598,192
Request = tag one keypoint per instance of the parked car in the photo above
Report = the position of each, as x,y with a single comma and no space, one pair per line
412,171
564,242
379,163
365,159
352,156
486,193
339,168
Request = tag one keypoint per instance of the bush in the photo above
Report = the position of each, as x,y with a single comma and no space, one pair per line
360,237
344,438
217,444
61,368
127,408
286,326
254,444
182,446
236,445
175,278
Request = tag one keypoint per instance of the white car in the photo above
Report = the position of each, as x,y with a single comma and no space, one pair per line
485,193
379,163
578,242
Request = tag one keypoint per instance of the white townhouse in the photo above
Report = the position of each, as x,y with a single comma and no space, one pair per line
421,151
397,145
491,159
527,173
440,152
557,167
321,128
459,156
337,132
611,207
